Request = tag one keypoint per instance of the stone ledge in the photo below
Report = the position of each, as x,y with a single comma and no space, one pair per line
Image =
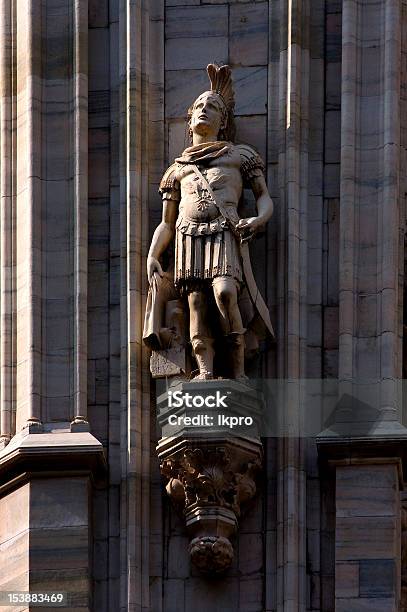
58,454
364,452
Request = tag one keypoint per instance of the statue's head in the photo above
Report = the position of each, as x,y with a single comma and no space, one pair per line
212,111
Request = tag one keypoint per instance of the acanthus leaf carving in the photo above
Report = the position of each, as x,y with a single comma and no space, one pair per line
207,482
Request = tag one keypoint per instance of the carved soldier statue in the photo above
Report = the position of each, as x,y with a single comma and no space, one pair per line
212,278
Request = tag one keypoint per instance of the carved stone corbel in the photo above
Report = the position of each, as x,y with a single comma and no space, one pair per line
211,476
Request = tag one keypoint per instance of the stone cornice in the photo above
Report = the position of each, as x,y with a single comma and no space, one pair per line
42,454
334,451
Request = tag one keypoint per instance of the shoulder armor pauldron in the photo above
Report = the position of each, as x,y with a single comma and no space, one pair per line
251,162
170,181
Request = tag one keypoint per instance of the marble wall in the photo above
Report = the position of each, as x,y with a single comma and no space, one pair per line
93,104
44,540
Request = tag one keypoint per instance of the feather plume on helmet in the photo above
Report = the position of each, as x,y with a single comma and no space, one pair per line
220,78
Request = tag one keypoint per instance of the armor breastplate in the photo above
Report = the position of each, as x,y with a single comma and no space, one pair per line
196,203
203,211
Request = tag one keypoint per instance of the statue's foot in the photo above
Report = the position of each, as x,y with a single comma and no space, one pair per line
242,378
203,376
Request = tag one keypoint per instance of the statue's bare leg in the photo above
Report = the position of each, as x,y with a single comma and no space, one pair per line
201,337
225,292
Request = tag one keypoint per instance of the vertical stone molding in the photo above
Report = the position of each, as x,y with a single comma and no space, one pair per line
28,213
293,159
51,144
7,221
370,211
80,92
141,144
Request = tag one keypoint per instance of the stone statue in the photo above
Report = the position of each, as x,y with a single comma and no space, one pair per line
211,277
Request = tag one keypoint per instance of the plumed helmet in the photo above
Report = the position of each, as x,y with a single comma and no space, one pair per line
220,78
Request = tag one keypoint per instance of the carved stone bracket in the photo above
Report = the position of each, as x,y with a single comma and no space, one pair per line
210,479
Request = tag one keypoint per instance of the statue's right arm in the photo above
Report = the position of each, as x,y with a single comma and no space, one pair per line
162,238
164,232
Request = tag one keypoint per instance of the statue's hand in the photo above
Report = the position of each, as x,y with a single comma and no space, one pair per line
154,272
248,227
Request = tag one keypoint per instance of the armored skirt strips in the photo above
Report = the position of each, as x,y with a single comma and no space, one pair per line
206,256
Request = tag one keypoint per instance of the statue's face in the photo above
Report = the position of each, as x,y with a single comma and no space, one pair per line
207,114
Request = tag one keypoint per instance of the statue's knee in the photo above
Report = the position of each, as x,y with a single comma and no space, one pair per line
226,295
195,300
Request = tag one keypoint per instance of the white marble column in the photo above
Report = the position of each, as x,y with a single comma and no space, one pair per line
51,147
7,219
80,86
140,25
371,260
28,213
293,118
